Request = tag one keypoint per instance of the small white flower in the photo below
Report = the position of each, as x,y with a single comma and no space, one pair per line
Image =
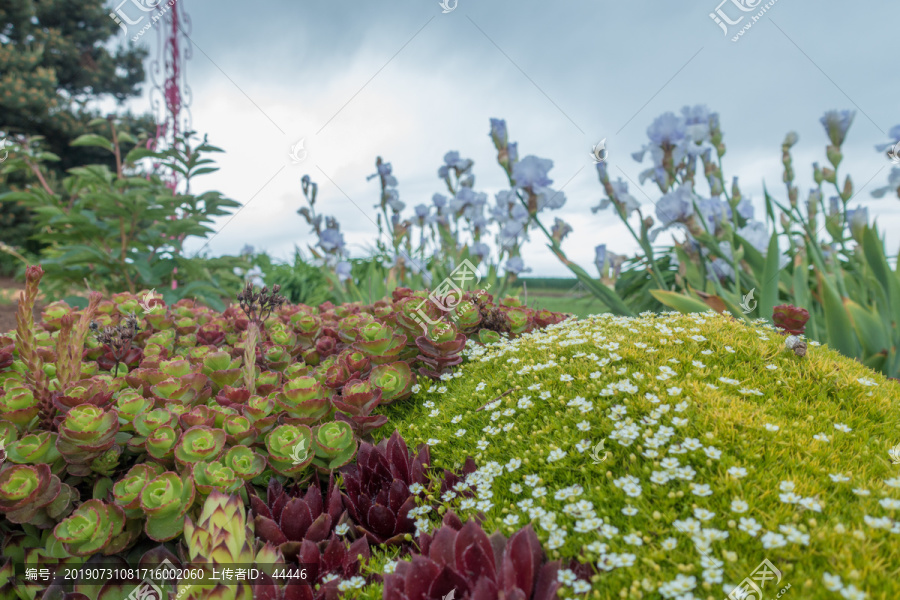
866,381
539,492
460,432
566,377
737,472
416,388
583,426
390,566
556,455
515,488
482,444
739,506
770,427
511,519
513,464
342,529
456,419
832,583
433,442
701,489
821,437
629,511
669,543
771,367
861,492
842,427
838,477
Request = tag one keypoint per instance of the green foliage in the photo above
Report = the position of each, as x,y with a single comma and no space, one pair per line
301,282
561,406
125,228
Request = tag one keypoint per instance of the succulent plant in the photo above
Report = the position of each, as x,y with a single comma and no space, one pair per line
245,463
286,519
19,405
395,380
377,488
379,342
165,500
32,494
222,537
333,557
215,475
93,527
85,434
463,558
34,449
356,403
335,445
304,400
221,369
790,319
440,349
126,492
198,444
290,449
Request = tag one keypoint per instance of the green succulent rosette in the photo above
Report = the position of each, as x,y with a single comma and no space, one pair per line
395,381
209,476
130,404
290,449
277,357
34,449
221,369
91,528
185,389
379,343
85,433
245,463
25,490
160,444
239,430
127,491
259,410
305,400
165,500
177,367
18,405
517,318
335,445
145,423
199,444
488,336
220,413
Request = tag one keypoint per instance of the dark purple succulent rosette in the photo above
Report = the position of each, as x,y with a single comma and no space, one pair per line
377,493
463,558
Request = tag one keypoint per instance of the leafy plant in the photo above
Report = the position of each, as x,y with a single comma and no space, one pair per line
125,228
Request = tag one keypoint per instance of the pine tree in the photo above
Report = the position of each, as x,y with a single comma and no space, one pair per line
58,58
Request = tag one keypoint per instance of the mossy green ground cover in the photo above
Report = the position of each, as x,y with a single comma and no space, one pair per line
722,449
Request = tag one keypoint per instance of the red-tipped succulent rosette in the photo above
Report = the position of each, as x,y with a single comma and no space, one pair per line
440,349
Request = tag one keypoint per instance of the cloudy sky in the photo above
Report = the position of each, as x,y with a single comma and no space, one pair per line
404,81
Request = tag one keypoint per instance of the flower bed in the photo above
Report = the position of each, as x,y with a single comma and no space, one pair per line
723,448
668,456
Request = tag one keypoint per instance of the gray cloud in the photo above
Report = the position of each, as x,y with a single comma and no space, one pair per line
403,81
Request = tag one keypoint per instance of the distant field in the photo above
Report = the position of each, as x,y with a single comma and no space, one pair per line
558,295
